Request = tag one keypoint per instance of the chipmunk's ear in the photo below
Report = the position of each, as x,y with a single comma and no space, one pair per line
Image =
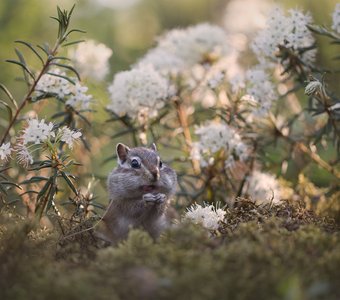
153,147
122,152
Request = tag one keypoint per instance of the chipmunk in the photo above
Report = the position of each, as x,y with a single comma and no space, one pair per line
139,190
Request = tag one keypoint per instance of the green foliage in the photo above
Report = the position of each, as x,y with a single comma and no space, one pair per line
257,258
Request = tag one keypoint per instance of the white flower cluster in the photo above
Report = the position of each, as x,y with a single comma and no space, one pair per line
181,49
289,31
336,18
39,132
53,84
215,137
5,151
208,216
63,89
139,90
91,59
260,91
263,188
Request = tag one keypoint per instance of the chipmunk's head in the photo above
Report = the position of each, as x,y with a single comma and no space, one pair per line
142,160
140,170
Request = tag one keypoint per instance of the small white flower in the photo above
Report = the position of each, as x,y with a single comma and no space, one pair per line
37,132
208,216
91,59
141,89
214,137
69,136
216,80
263,187
5,151
336,18
78,98
313,87
181,49
24,156
53,84
290,31
261,90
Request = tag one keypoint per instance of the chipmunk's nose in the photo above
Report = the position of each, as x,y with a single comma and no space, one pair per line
155,174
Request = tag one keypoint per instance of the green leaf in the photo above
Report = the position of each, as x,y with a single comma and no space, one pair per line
67,67
73,43
22,66
32,48
45,188
29,192
40,167
34,179
9,110
69,182
11,183
75,30
61,76
2,189
45,49
60,57
322,31
51,197
9,95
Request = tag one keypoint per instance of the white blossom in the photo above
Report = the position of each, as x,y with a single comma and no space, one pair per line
136,90
78,99
181,49
208,216
163,61
69,136
53,84
74,94
214,137
5,151
260,90
289,31
37,132
24,155
263,188
336,18
91,59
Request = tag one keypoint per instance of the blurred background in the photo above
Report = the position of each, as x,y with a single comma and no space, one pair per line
130,28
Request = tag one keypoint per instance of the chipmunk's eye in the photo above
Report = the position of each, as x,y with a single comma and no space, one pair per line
135,164
160,164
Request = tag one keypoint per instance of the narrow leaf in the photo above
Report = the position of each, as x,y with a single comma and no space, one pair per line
22,66
34,179
9,110
73,43
67,67
11,183
44,49
61,76
32,48
69,182
9,95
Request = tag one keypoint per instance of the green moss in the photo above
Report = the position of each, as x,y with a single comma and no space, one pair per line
281,252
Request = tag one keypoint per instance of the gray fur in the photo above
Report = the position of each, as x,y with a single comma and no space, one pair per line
130,205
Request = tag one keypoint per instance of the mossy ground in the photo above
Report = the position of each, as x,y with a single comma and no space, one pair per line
261,252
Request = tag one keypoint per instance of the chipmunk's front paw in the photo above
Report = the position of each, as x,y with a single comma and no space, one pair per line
154,198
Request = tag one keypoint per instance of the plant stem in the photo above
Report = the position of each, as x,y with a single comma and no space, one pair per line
30,91
317,159
183,120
